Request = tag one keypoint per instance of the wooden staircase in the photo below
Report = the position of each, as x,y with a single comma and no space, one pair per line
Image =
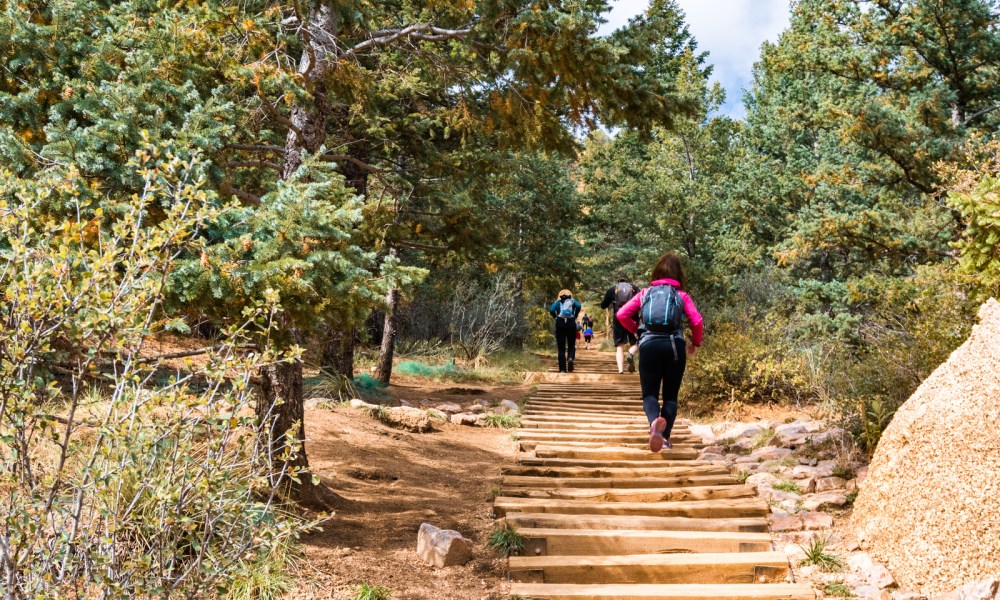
602,517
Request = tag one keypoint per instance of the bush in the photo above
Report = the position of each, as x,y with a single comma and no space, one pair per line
749,366
116,475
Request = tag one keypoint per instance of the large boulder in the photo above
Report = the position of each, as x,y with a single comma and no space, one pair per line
930,504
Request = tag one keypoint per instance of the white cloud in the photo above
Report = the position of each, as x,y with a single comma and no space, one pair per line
731,31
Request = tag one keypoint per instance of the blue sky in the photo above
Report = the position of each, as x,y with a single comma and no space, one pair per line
731,31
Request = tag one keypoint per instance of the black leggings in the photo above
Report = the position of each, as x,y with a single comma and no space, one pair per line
662,359
565,335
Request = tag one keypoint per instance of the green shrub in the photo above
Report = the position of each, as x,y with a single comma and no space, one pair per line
838,589
787,486
506,540
505,421
744,365
367,591
118,477
816,554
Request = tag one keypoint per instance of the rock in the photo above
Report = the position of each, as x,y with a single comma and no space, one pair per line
816,520
704,432
476,409
825,484
773,466
463,419
771,453
746,468
442,547
907,595
795,553
450,408
867,592
808,486
816,472
786,524
746,460
759,479
714,450
712,457
772,495
437,414
833,498
508,406
987,589
409,418
741,430
314,403
405,403
930,501
794,428
355,403
873,572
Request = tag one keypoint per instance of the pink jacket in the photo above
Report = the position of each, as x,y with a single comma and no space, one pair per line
627,314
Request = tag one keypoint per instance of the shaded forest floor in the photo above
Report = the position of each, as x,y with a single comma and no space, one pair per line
390,482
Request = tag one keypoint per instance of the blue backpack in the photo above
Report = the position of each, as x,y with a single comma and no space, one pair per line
662,310
566,309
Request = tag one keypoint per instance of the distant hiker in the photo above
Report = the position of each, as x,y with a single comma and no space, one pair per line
588,334
565,311
588,323
616,297
660,309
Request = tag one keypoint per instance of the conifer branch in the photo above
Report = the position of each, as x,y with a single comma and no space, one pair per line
418,31
359,163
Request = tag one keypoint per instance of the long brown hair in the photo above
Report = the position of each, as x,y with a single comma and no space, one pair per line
669,267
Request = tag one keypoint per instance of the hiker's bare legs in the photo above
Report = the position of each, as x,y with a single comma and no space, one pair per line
620,357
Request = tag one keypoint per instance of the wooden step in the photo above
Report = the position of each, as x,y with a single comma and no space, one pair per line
701,509
675,494
775,591
618,483
531,445
679,453
524,520
567,436
581,462
647,469
610,542
730,567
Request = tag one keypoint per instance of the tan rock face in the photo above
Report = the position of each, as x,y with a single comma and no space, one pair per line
930,504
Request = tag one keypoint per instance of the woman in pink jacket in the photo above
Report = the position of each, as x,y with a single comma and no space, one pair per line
656,313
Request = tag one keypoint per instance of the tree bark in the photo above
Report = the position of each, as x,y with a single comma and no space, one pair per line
383,371
338,352
281,413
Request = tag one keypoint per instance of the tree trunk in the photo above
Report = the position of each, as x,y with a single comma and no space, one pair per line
280,405
282,419
338,352
384,370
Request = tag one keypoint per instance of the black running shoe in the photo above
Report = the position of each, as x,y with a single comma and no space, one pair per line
631,362
569,365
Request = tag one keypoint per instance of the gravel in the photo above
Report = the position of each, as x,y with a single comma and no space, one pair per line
930,506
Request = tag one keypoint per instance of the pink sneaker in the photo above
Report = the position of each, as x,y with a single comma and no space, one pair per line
656,434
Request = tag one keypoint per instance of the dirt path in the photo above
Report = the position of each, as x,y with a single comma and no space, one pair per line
390,482
602,517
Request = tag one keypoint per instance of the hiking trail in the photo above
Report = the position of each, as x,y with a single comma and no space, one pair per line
602,517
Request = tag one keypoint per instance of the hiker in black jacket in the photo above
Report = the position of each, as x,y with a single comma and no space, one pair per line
565,311
625,341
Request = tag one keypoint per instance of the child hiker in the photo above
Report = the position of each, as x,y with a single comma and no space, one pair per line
656,313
